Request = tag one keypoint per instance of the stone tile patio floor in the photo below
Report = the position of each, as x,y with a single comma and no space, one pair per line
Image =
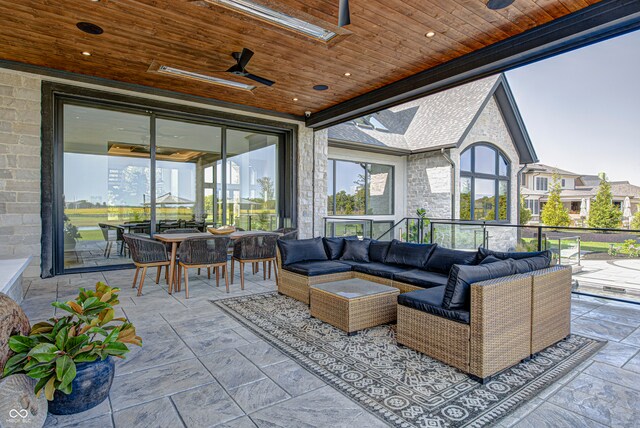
200,368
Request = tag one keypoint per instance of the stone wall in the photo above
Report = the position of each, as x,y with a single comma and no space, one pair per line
20,225
429,185
321,148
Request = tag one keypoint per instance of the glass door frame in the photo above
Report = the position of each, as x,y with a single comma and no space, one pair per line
286,156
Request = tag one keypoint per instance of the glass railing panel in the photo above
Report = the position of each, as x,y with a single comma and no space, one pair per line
458,236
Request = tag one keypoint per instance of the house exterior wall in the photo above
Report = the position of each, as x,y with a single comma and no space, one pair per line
429,185
20,225
20,162
490,127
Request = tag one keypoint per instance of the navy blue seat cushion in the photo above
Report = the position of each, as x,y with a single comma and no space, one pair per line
458,289
430,301
382,270
292,251
530,264
356,251
442,259
404,253
335,246
315,268
421,278
378,250
483,252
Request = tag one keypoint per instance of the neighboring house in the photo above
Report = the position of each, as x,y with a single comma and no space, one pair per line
577,190
456,154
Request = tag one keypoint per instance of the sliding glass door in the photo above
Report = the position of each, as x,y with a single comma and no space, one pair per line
135,171
106,183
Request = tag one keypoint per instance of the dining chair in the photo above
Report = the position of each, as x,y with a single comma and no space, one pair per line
110,236
254,249
168,245
203,252
146,253
287,233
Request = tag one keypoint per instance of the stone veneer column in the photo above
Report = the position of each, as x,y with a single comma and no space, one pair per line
20,225
313,149
321,149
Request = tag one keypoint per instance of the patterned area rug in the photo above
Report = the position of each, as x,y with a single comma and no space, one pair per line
399,385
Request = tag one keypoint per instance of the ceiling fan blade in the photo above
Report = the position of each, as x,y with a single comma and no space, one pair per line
245,56
344,16
259,79
234,69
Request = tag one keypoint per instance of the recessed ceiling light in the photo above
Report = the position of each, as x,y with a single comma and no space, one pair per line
86,53
275,17
347,74
89,28
321,87
203,77
295,99
430,34
498,4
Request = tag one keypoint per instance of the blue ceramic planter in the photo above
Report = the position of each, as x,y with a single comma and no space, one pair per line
90,388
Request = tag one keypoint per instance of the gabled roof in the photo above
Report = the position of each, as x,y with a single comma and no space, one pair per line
438,121
546,169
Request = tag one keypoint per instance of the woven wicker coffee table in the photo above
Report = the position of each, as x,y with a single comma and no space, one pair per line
353,304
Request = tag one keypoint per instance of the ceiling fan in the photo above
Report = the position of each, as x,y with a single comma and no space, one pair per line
344,16
239,69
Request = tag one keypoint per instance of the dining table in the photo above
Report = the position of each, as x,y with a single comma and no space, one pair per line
176,238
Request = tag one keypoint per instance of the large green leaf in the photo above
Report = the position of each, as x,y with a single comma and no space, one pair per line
42,382
61,337
41,371
65,370
15,364
116,349
74,344
21,343
85,357
44,352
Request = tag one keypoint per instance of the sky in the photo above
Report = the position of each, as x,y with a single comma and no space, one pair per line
582,108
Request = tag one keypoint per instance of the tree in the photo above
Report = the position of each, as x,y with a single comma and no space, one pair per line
603,213
525,213
554,213
635,220
266,188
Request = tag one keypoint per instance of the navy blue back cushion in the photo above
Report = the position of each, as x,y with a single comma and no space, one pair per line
483,252
378,251
335,246
489,259
443,258
404,253
458,289
293,251
531,263
356,251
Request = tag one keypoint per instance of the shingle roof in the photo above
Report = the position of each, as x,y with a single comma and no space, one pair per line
438,120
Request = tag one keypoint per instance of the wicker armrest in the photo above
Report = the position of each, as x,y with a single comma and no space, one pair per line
500,324
550,306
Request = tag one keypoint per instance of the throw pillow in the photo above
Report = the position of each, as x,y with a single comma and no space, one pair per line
515,255
458,288
335,246
531,263
378,250
489,259
356,251
443,258
293,251
404,253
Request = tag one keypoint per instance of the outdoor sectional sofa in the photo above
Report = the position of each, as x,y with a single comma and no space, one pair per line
479,311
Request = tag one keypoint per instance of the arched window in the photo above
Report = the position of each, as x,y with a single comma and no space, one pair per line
484,184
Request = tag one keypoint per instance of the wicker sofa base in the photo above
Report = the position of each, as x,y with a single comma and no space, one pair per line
351,315
437,337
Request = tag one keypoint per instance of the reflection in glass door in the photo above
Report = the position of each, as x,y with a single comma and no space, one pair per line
106,184
187,157
252,180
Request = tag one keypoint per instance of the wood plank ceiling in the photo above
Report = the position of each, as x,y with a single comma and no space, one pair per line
385,42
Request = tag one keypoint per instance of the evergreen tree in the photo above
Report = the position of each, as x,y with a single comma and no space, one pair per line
603,213
525,213
635,220
554,213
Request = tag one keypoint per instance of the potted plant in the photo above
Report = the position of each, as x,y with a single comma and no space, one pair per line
70,357
71,236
